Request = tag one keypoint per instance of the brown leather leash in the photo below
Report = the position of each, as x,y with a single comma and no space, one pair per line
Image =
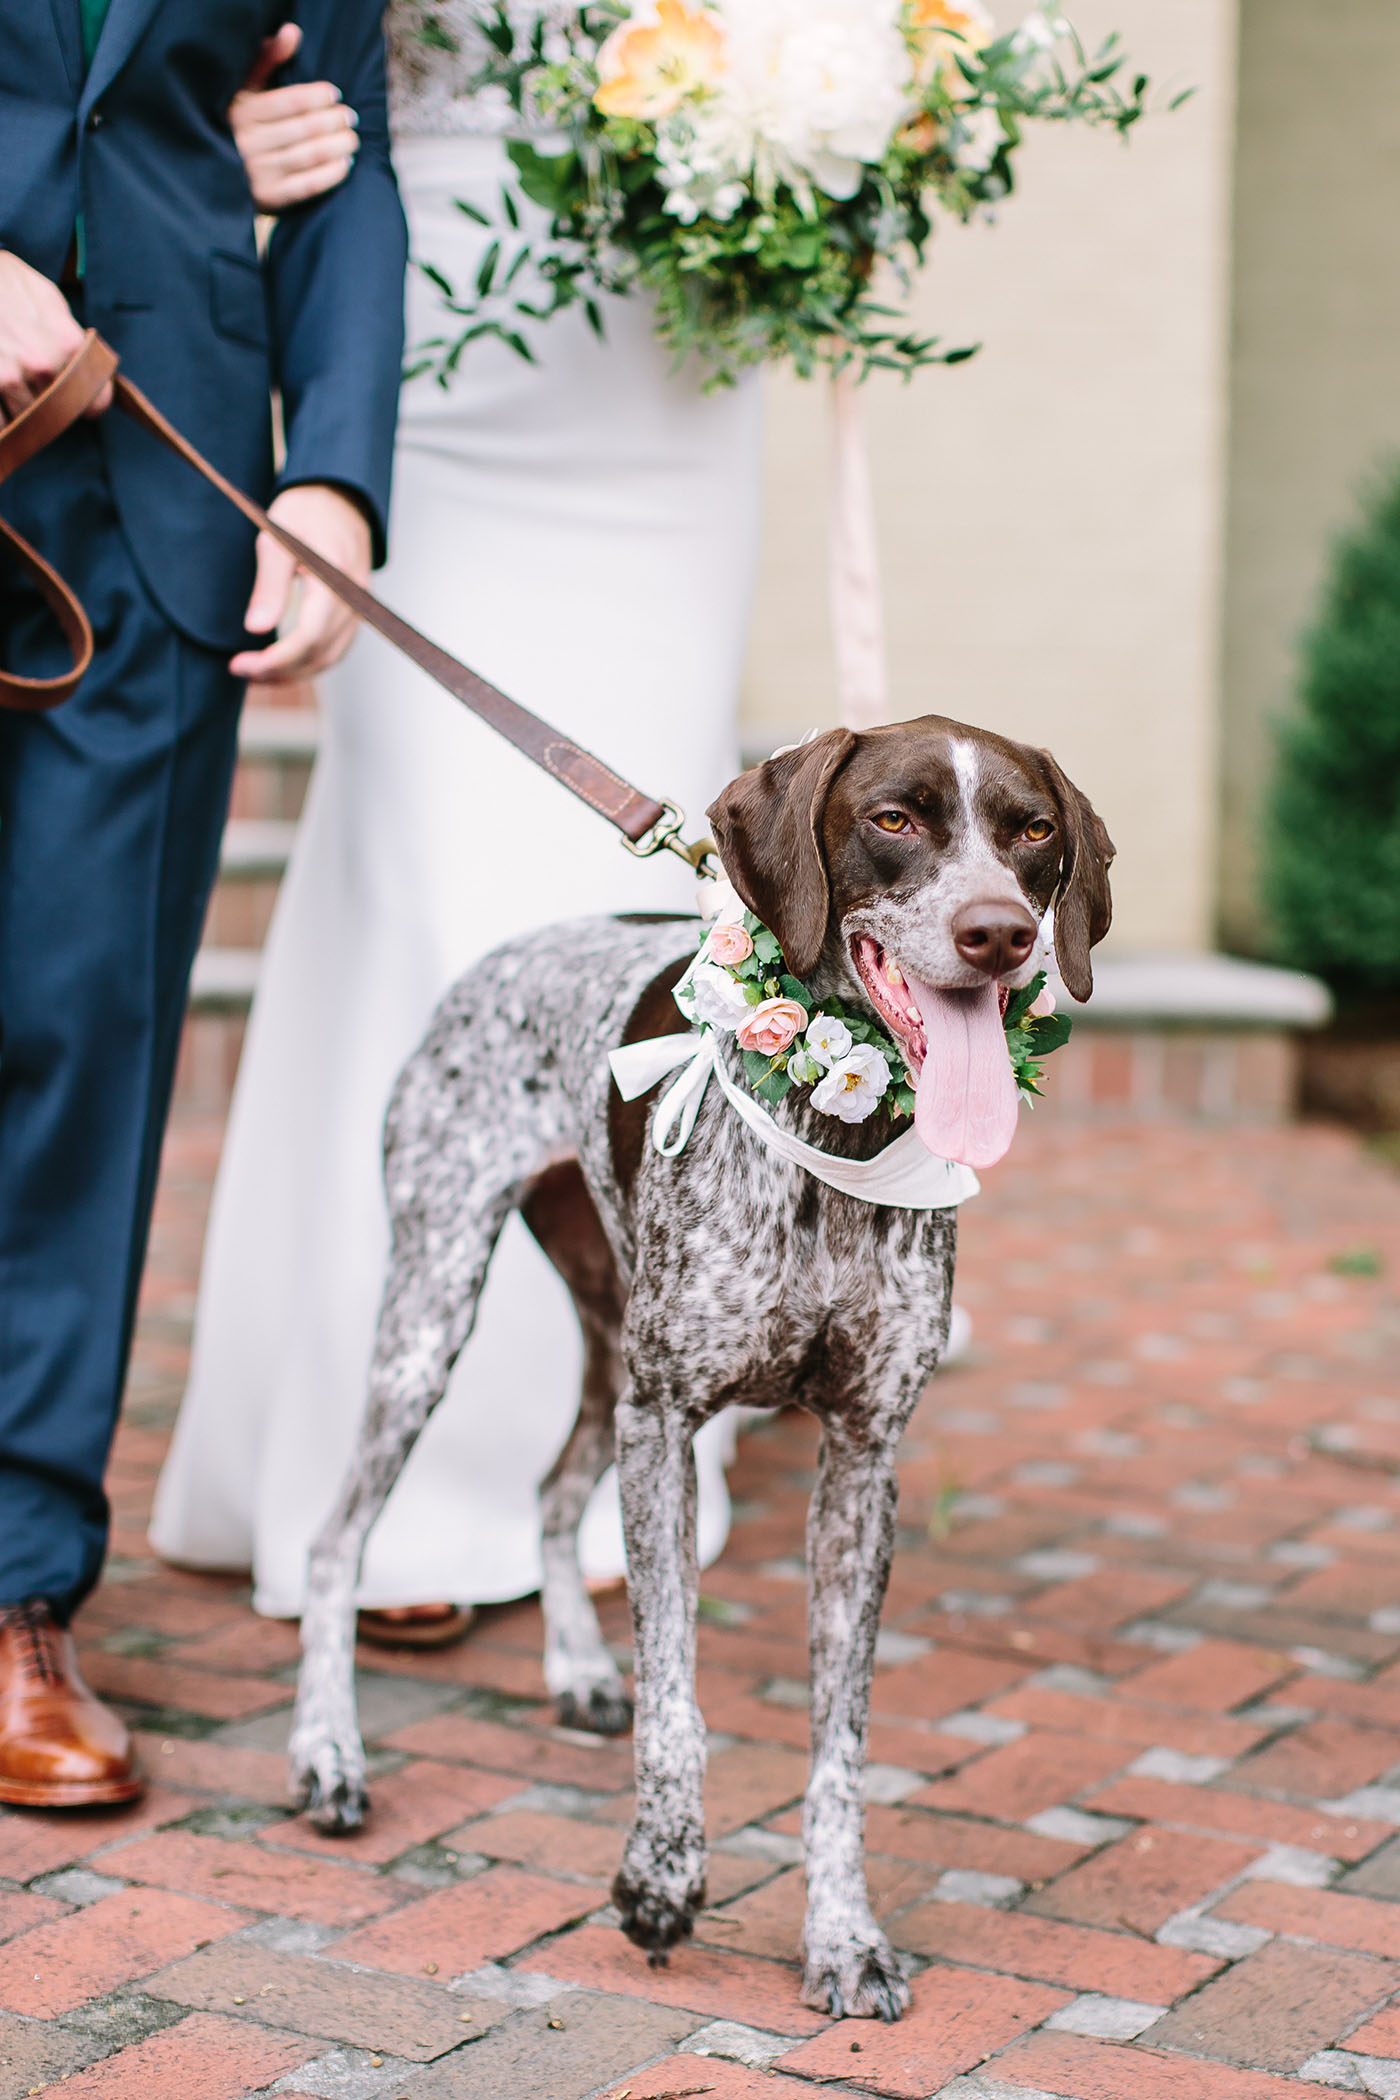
647,826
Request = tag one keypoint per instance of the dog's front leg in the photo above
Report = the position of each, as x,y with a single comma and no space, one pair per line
661,1883
851,1968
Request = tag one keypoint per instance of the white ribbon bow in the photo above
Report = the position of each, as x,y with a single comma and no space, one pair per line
905,1176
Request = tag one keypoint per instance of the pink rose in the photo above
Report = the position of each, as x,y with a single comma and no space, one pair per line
772,1025
730,944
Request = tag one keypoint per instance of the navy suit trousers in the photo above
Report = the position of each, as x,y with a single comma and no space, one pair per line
111,809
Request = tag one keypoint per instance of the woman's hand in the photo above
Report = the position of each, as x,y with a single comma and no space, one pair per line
295,142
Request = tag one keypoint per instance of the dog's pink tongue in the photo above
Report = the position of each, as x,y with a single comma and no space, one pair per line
965,1105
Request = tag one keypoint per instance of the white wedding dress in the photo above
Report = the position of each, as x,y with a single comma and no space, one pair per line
583,532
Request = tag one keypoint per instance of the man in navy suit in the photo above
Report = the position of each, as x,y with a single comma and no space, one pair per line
124,206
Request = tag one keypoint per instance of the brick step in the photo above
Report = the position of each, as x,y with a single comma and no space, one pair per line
276,748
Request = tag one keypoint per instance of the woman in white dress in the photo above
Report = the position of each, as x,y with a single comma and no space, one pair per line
582,531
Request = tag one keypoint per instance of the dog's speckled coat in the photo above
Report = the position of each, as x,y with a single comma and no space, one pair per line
724,1275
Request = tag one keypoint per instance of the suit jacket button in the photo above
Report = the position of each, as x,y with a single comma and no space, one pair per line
96,120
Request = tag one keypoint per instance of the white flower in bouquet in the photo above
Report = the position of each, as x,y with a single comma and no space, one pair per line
810,92
1040,31
977,138
855,1088
825,82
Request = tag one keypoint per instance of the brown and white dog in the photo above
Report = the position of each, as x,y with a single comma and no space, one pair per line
907,870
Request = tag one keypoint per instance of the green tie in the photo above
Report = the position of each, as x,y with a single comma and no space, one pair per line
94,14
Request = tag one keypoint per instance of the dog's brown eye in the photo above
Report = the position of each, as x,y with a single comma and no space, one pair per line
891,820
1038,830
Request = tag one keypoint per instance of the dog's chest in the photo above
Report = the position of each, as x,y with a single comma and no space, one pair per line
763,1280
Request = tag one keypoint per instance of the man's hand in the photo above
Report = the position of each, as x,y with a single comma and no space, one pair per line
38,336
323,629
295,142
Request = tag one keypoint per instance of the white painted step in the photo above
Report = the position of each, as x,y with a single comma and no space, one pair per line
256,848
224,980
279,732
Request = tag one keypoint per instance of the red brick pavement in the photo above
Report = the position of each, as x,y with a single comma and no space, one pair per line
1135,1811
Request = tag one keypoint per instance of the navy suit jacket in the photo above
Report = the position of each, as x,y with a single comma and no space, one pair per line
141,148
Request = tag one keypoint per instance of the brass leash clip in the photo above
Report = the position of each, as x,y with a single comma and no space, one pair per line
665,836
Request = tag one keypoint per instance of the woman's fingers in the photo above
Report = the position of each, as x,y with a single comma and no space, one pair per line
306,139
268,107
257,128
295,143
276,51
281,193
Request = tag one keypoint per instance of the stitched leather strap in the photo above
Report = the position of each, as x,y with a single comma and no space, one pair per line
47,417
74,390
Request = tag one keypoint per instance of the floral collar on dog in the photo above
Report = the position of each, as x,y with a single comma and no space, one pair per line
740,985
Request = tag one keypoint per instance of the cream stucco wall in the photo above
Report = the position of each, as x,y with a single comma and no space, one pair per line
1051,513
1316,365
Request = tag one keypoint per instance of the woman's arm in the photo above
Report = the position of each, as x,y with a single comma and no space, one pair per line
295,142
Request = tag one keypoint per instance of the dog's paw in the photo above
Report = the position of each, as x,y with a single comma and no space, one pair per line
329,1786
655,1919
604,1709
860,1981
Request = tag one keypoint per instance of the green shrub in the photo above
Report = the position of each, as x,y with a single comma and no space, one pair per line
1331,849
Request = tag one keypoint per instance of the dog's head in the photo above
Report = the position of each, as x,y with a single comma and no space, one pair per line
909,869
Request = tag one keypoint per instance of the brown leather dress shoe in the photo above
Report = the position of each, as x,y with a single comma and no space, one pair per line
59,1746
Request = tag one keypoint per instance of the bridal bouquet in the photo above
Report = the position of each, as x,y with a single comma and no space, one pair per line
753,164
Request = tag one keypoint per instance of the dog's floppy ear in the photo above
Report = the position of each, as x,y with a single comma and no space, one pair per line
1083,904
768,827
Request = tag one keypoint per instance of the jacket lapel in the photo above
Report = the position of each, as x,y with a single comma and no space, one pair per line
70,40
121,33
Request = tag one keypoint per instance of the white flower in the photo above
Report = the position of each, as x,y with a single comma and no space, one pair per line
718,1000
827,1041
1039,32
1042,1006
979,138
813,92
855,1088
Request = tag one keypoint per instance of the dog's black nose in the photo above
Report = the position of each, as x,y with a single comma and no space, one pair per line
994,938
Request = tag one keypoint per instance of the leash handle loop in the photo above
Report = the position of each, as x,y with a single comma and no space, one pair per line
647,826
48,415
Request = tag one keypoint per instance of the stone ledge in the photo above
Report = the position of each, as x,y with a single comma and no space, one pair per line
1200,991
